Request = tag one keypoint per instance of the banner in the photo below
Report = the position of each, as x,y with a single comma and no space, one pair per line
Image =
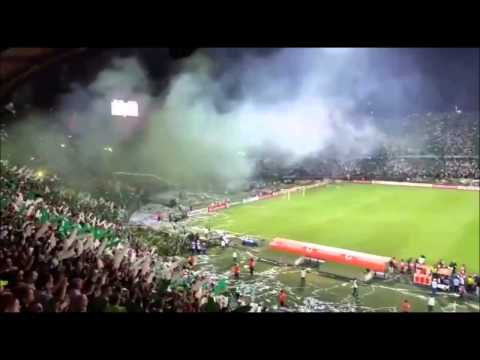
399,183
469,188
269,196
454,187
218,206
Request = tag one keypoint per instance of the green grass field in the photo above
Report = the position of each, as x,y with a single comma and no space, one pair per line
383,220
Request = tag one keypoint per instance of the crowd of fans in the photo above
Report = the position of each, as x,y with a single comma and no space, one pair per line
446,276
66,252
432,147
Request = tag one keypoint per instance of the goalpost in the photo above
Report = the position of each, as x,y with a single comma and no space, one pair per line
303,188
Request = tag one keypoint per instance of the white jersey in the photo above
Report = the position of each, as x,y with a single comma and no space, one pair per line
431,301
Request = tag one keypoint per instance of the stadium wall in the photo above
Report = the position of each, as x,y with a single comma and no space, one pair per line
409,184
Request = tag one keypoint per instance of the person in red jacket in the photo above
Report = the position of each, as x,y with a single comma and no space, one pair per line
236,271
282,298
251,265
406,307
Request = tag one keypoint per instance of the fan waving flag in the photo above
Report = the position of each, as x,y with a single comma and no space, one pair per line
66,227
44,217
221,287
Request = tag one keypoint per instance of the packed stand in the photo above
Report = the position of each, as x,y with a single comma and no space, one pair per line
62,251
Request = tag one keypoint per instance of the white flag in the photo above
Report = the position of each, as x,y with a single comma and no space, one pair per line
146,266
30,211
51,242
79,247
69,241
102,248
43,229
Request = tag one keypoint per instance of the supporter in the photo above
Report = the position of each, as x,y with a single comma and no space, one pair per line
236,271
477,284
434,286
114,304
355,288
35,307
79,303
405,307
9,303
456,284
251,265
27,297
421,260
99,300
47,268
303,276
282,298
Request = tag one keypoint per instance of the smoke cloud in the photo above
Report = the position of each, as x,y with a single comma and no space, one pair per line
216,107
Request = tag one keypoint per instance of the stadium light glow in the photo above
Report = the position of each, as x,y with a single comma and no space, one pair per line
124,108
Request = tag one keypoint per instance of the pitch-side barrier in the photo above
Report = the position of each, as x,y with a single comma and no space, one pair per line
413,184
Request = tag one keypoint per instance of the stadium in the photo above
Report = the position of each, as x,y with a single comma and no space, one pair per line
259,184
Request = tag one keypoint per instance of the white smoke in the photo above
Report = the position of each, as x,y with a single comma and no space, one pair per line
299,101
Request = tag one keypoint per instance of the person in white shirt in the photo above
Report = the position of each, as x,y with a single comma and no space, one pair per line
223,243
222,302
234,257
355,288
303,276
434,286
431,303
421,260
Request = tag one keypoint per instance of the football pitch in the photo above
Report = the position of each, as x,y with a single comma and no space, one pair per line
382,220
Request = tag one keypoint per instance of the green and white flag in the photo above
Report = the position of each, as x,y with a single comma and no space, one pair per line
221,287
